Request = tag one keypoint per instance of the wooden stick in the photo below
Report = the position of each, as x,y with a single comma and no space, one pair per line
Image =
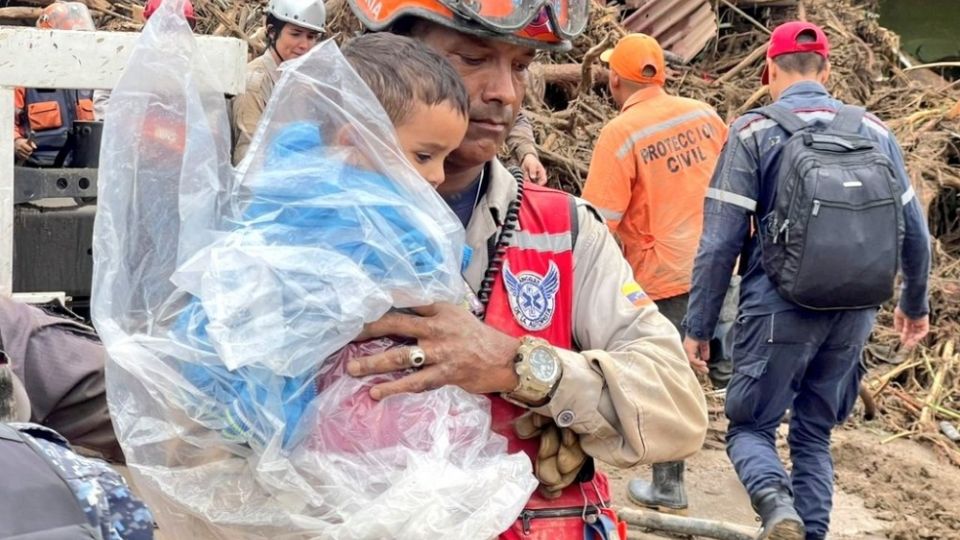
900,435
933,398
17,13
908,401
801,11
553,156
571,74
743,14
112,13
878,385
752,100
586,71
685,525
932,65
750,59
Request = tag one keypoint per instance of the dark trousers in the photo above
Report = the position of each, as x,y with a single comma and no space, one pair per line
808,362
674,309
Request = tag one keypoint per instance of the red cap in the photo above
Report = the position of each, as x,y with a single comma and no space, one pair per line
153,5
784,41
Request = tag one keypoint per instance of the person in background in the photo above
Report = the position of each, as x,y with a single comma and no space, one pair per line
102,97
786,355
293,28
43,118
648,177
522,146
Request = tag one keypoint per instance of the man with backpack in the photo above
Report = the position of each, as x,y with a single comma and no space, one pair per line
813,195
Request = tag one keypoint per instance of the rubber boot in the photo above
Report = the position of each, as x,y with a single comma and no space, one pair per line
777,514
666,493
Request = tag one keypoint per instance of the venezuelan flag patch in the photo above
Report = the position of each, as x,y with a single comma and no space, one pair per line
635,294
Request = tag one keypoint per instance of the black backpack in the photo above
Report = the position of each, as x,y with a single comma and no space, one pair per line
832,240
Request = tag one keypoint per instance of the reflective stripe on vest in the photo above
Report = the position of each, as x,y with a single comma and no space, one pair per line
544,241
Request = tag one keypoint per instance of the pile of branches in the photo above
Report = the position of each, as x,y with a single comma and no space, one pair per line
919,391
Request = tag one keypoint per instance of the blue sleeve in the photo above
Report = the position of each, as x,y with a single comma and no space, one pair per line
915,254
731,200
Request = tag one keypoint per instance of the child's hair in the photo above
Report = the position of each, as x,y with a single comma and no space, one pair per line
402,72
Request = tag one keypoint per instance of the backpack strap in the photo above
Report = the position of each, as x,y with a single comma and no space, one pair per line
784,117
848,119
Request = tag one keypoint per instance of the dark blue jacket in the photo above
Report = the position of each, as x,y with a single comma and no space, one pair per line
742,187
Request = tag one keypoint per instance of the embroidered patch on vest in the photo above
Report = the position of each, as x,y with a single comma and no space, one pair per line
532,296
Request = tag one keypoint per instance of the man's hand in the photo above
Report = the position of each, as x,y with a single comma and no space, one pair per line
698,353
911,330
533,170
460,349
24,148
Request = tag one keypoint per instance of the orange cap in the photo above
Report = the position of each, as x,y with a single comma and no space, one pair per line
632,55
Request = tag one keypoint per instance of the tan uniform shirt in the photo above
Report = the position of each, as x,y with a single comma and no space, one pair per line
631,394
520,140
262,75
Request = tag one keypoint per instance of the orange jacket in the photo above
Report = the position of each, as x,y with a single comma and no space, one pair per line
649,176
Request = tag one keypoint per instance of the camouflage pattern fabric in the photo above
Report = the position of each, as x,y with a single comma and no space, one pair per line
102,492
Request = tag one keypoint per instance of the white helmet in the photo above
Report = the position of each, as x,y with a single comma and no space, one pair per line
309,14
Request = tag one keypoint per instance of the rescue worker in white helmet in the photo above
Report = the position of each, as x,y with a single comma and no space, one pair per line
574,356
293,28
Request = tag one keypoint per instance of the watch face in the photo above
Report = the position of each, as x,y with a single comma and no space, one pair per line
543,365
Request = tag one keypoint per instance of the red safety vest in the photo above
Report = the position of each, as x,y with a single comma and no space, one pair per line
534,297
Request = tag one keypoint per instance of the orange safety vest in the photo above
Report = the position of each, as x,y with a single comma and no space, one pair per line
649,176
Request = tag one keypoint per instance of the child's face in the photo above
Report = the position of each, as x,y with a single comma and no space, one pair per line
427,136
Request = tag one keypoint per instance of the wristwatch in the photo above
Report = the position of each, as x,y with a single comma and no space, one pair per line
539,369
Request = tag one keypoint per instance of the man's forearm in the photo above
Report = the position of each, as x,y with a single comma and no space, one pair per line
724,231
641,405
520,140
916,263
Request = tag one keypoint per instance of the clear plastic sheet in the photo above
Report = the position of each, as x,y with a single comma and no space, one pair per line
228,301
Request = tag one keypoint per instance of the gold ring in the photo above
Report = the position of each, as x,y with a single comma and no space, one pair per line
416,356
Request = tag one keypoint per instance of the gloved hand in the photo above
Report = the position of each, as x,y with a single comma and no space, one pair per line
560,457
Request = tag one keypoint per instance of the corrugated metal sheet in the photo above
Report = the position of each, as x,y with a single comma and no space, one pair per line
683,27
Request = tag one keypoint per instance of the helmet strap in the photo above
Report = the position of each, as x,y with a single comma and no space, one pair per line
273,35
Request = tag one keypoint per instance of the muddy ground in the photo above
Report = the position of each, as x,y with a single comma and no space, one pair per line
899,490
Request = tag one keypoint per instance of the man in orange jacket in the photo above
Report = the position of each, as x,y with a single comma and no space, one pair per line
649,177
